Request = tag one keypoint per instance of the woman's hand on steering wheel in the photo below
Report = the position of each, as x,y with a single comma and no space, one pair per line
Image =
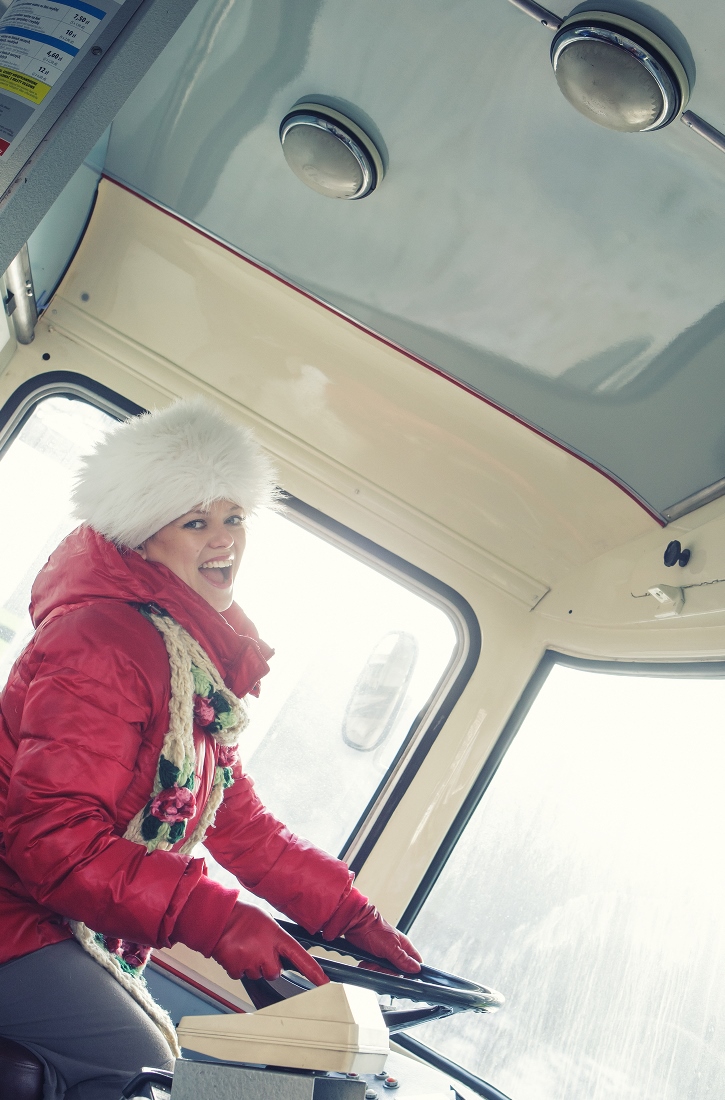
371,932
253,945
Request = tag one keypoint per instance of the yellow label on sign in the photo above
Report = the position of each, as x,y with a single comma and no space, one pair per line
26,86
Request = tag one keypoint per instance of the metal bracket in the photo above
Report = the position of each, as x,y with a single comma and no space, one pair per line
670,599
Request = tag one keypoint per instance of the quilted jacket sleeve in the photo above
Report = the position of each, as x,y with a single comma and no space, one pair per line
81,738
306,883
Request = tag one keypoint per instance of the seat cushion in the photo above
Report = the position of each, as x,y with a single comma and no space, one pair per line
21,1072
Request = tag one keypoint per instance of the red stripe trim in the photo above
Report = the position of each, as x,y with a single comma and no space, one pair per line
197,985
621,485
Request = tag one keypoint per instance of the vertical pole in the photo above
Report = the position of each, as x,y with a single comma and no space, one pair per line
19,281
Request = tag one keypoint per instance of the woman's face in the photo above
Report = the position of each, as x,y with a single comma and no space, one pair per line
204,547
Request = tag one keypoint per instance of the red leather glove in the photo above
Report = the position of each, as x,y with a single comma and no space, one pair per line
359,921
254,945
374,934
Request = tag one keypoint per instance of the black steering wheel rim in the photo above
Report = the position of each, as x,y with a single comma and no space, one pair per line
430,985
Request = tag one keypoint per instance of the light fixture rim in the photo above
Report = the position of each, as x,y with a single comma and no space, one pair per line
353,136
314,121
607,20
669,90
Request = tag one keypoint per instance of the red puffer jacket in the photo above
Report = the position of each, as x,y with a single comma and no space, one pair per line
82,720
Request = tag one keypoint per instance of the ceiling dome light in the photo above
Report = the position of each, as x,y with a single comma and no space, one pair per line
618,73
329,152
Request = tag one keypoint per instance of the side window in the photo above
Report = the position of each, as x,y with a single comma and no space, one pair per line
359,654
588,888
36,477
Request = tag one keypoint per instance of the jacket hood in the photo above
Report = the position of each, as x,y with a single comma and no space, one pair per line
86,567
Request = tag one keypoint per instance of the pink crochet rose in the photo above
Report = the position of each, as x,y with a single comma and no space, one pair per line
203,711
174,804
228,756
135,954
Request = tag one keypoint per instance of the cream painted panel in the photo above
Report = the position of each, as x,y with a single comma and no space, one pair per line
523,508
612,591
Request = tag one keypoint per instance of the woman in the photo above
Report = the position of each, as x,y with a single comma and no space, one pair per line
118,755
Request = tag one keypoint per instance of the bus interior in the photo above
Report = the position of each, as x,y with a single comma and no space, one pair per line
492,385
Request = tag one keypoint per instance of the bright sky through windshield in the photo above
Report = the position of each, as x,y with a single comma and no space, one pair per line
589,888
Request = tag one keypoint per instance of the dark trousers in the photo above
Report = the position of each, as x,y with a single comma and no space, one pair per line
90,1033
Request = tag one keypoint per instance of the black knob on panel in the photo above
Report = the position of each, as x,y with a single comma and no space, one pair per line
675,555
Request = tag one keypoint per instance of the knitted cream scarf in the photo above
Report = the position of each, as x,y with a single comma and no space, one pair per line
197,691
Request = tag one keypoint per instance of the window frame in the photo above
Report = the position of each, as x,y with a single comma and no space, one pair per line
681,670
21,404
429,722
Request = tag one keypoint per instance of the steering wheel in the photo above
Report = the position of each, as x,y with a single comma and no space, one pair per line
442,993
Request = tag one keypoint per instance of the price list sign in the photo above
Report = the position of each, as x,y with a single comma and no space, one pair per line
40,43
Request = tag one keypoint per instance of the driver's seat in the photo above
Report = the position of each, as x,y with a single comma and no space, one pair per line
21,1072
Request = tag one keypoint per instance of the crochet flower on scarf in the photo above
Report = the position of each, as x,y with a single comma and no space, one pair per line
203,711
198,696
130,956
173,803
228,756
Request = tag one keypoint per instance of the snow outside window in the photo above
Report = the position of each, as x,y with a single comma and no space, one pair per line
589,889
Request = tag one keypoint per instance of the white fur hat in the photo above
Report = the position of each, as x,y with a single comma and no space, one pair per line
153,468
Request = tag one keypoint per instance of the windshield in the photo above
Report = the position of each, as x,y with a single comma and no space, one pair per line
588,887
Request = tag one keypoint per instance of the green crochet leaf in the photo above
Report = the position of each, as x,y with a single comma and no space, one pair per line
176,831
202,683
160,838
223,777
221,706
150,827
168,773
186,773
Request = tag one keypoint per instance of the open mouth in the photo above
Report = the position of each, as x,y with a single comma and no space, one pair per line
217,572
